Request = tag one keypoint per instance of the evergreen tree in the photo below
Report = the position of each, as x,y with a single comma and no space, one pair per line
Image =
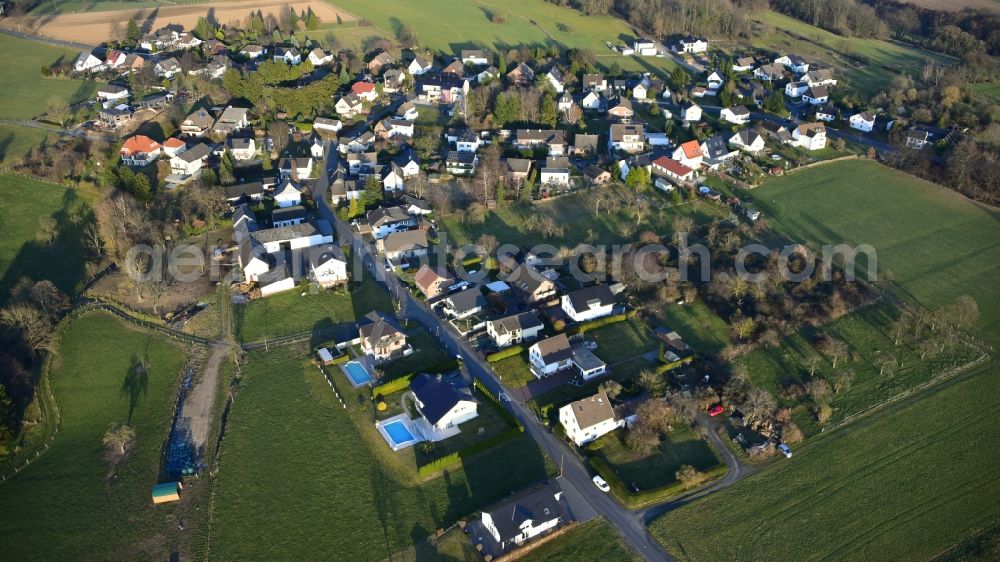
204,30
355,210
312,20
132,33
548,114
373,192
502,67
679,78
775,103
637,178
507,109
226,175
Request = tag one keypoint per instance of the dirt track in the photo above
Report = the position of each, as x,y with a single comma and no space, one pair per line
92,28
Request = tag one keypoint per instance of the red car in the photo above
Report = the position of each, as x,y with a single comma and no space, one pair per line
715,410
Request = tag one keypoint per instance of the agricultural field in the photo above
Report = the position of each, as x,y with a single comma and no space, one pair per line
68,503
292,453
294,312
783,34
16,141
937,244
509,224
594,540
906,485
92,28
28,92
24,204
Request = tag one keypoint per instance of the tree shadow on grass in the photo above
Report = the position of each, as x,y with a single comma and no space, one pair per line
136,384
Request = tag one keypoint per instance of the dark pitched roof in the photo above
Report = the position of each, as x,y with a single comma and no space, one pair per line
239,190
555,349
591,297
437,395
288,213
377,325
537,503
467,300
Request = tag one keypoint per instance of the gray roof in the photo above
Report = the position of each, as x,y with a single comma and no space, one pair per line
239,190
400,241
387,215
555,349
466,300
196,152
523,321
286,232
288,213
437,396
377,325
591,297
537,503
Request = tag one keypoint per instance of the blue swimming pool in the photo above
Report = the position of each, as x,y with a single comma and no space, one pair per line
357,373
399,433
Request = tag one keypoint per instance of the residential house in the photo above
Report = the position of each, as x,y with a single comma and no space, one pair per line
521,75
114,58
198,123
532,285
556,79
349,106
441,89
241,148
645,47
588,303
216,67
594,83
232,120
810,136
191,161
525,515
738,114
638,161
393,178
327,265
357,140
415,205
432,281
592,101
393,80
167,68
87,62
419,65
769,72
111,94
252,191
461,163
408,111
325,124
288,216
517,169
252,51
666,170
317,148
362,164
455,68
475,57
691,44
400,245
365,91
408,162
777,131
319,57
381,337
621,110
819,77
295,168
826,112
188,41
287,55
689,154
379,62
816,95
114,117
747,140
389,128
287,194
796,89
596,175
743,64
863,121
155,100
588,364
551,355
565,102
700,92
441,403
139,151
388,220
133,62
691,113
174,146
794,63
715,79
584,144
553,139
514,329
627,138
715,150
588,419
487,74
464,303
555,172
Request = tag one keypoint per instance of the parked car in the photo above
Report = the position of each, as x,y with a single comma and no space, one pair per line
785,450
601,484
715,410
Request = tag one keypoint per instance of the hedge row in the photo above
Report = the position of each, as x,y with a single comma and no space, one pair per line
342,358
600,322
635,500
505,353
673,365
498,406
454,458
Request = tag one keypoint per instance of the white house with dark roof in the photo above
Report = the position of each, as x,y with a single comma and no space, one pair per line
525,515
747,140
441,402
738,114
287,55
588,419
514,329
863,121
287,194
588,303
550,356
387,220
327,265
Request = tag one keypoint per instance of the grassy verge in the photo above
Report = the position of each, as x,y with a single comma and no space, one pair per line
594,540
27,92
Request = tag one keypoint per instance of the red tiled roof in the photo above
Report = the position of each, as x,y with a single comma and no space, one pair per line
139,144
174,143
672,166
362,87
691,149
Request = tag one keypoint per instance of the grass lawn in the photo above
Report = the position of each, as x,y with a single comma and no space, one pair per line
622,341
291,312
514,371
989,90
28,92
576,212
683,446
64,505
427,352
448,27
23,204
906,485
869,335
834,50
16,141
701,328
937,244
594,540
298,476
